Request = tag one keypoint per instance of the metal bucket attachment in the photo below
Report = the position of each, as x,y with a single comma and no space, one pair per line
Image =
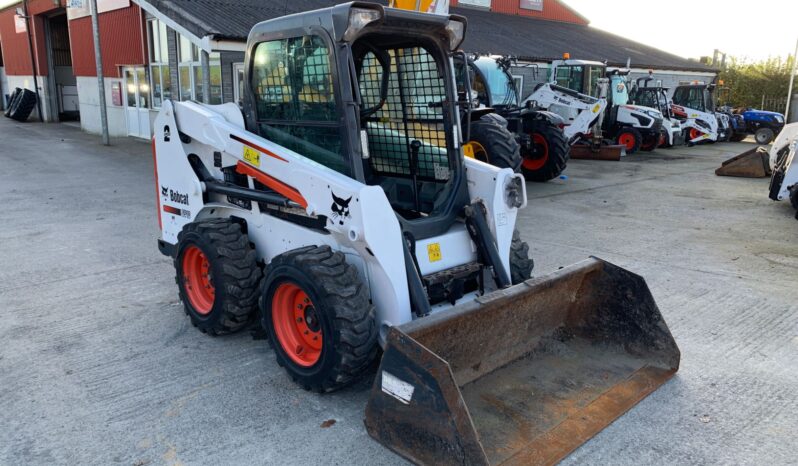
604,152
752,163
523,375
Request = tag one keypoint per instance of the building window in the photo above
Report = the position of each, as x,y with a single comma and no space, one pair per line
535,5
477,3
190,73
238,83
160,78
518,81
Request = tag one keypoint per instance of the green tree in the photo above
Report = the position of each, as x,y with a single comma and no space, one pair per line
747,82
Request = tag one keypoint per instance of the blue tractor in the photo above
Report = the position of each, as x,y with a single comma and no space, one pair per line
764,125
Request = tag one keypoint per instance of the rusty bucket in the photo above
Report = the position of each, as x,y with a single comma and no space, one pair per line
753,163
523,375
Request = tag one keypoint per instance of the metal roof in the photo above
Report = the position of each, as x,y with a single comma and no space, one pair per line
488,32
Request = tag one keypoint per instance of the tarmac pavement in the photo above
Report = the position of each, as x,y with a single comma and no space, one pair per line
99,364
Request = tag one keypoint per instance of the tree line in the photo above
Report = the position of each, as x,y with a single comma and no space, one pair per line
748,83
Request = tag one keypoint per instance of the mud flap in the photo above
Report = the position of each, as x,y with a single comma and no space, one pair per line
752,163
605,152
524,375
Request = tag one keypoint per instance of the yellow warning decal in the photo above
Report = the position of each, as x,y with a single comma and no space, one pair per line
252,156
434,252
597,108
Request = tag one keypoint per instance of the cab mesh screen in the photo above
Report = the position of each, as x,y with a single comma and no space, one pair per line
407,135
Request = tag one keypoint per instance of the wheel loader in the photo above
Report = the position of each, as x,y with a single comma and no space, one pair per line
337,212
544,147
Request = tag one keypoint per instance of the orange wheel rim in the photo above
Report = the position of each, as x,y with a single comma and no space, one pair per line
536,163
296,324
628,140
694,133
197,280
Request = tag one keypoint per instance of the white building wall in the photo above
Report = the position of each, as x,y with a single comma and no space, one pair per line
89,100
4,90
26,82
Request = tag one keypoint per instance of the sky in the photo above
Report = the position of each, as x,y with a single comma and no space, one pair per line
755,29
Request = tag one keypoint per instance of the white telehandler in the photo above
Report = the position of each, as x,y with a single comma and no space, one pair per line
338,213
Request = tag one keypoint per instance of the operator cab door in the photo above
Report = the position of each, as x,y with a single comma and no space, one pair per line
137,102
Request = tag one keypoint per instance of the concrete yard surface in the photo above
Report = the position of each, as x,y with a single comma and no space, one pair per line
99,364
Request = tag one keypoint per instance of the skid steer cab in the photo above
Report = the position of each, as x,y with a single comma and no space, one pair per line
338,213
694,105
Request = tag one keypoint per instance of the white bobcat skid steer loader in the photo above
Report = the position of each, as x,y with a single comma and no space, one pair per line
784,181
340,214
693,105
657,97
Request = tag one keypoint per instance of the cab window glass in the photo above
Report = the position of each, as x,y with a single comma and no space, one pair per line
570,77
295,99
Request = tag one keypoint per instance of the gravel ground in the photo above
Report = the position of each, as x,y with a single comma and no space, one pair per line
99,365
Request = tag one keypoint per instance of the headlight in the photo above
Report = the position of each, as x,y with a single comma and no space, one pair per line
514,192
358,19
455,29
778,118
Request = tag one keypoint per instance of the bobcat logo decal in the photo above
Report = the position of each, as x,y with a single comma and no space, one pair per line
340,208
164,191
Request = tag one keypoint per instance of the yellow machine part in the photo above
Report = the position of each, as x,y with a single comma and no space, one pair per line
415,5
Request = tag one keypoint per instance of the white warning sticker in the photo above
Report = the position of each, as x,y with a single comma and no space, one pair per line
398,389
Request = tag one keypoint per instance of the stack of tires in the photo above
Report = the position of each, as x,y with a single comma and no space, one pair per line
21,104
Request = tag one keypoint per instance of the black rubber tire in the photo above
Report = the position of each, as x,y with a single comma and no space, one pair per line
521,265
12,101
502,148
558,151
344,310
738,137
638,139
649,143
764,136
235,274
794,197
26,102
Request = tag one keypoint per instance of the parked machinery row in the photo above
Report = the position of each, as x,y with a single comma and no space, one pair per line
594,110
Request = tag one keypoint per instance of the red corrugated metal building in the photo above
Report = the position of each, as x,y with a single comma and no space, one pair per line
121,38
64,54
552,10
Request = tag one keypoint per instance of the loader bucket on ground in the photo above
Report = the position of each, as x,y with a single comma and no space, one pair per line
523,375
752,163
585,152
